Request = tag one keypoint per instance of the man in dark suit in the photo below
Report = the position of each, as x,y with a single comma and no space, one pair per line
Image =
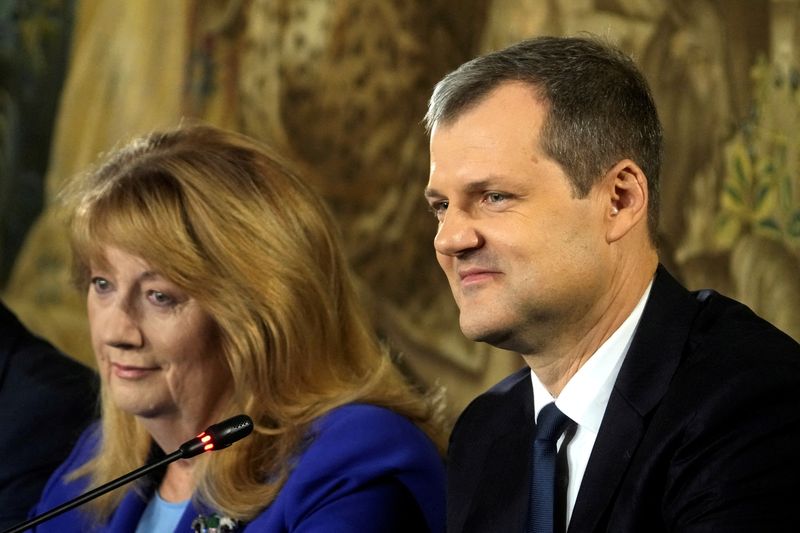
46,400
682,409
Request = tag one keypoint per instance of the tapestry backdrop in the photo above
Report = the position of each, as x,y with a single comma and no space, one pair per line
342,85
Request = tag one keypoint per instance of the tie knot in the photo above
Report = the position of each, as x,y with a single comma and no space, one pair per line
551,423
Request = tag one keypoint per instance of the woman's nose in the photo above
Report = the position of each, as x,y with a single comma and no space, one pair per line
119,325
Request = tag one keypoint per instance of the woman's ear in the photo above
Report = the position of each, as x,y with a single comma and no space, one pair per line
627,199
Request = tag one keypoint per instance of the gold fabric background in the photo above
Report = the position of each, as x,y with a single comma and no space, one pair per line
343,84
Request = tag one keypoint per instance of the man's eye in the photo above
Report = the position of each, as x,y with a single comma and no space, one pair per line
438,209
494,197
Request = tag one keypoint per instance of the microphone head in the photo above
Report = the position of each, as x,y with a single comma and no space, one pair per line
218,436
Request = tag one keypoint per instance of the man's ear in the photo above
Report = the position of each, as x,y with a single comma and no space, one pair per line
627,199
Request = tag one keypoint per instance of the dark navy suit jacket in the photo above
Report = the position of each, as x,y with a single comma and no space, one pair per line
46,400
701,433
367,469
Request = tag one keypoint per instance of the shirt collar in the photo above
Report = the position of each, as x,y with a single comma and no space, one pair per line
585,396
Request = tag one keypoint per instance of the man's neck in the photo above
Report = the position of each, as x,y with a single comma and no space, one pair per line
566,354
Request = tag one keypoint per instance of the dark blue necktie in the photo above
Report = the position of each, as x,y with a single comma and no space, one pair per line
549,427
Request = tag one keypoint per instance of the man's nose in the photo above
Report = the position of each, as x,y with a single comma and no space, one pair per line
457,234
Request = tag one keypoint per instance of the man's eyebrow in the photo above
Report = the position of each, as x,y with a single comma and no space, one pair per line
481,185
432,193
477,186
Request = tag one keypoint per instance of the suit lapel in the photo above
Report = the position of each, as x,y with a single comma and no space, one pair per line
651,362
192,511
10,331
500,499
130,510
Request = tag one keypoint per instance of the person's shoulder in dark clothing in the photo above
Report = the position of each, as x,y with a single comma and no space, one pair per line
46,400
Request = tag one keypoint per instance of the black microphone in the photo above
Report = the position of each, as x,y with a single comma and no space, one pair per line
216,437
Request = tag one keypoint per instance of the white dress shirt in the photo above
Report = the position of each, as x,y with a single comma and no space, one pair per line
585,397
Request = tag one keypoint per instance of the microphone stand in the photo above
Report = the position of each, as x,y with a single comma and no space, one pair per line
215,437
99,491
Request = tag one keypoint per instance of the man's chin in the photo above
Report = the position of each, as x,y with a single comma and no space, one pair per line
495,336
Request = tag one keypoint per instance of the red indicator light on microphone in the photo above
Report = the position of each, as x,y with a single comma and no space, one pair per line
217,436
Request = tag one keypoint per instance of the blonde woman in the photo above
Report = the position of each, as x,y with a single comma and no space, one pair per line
215,286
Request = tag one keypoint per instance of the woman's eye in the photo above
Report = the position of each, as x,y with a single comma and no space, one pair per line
100,284
160,299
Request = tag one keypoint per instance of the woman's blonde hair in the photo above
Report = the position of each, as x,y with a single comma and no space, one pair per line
230,222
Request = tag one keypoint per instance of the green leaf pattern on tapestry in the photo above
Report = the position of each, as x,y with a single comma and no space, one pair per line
760,193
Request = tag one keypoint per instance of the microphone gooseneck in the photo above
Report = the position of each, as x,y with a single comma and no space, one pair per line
215,437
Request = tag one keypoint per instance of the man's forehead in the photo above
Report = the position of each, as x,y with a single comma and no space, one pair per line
456,110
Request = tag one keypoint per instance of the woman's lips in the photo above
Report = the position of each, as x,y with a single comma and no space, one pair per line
132,371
